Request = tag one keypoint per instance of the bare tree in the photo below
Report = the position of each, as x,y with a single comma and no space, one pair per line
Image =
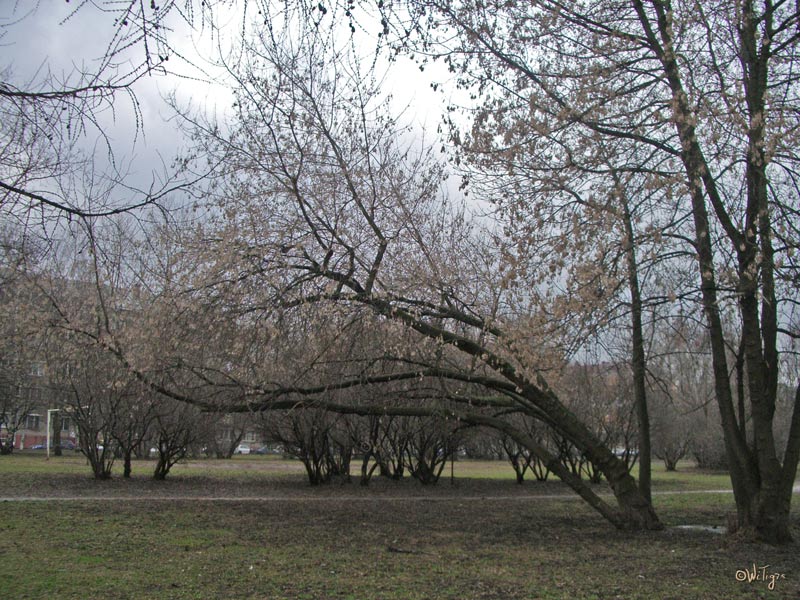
481,443
431,443
521,458
20,386
55,125
94,389
135,418
306,435
696,98
685,420
364,434
350,222
21,354
176,427
670,434
227,433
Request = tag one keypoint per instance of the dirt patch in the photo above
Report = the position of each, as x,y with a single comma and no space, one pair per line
75,485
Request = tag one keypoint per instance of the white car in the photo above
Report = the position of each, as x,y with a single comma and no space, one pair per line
242,449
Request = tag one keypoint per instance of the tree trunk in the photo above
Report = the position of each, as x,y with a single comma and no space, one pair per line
764,517
368,470
519,469
161,470
762,486
633,511
126,473
638,362
763,512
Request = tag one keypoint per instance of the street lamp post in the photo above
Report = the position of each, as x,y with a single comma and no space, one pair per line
49,412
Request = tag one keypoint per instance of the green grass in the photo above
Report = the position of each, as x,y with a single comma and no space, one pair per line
238,467
36,462
389,541
686,477
297,549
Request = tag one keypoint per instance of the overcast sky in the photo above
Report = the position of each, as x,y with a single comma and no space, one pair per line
50,36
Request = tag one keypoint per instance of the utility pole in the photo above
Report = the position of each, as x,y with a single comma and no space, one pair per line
49,412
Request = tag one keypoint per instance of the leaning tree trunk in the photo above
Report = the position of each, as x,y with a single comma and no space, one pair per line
633,511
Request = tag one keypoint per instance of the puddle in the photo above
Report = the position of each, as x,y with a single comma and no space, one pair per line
704,528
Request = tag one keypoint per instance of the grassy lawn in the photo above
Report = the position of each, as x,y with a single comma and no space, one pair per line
29,462
385,542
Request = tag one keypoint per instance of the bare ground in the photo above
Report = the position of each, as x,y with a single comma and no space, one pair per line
224,529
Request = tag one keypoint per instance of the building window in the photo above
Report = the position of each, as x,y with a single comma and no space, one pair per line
37,369
32,422
64,423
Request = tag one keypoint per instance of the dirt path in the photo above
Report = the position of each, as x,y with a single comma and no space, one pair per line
332,498
268,498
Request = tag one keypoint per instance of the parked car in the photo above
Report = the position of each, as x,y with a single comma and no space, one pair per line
242,449
65,445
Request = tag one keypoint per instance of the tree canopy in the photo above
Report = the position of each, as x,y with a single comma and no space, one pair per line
636,168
